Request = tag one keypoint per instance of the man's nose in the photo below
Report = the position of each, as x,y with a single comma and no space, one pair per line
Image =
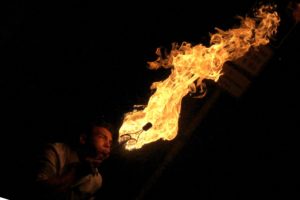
107,145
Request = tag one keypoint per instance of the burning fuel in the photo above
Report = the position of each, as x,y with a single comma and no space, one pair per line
190,65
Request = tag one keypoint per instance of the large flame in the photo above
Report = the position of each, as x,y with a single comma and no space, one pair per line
190,65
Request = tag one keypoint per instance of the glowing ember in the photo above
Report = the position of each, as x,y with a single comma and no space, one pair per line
190,65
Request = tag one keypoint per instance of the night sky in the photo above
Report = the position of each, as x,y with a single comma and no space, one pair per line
63,64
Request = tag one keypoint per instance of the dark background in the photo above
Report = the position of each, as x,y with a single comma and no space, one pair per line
62,64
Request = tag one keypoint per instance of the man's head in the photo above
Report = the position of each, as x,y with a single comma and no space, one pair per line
97,141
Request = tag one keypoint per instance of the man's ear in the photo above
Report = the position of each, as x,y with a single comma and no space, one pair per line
82,138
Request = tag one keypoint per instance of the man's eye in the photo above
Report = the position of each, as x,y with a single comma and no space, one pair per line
102,136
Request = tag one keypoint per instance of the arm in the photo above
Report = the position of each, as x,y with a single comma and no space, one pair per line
59,184
48,178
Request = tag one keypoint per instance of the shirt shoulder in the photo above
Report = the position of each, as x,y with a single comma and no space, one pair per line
61,154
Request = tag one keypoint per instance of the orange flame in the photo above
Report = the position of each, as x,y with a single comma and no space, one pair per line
190,65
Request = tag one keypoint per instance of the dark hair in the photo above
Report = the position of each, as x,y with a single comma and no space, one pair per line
100,122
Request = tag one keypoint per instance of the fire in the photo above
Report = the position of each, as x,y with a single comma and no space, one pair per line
190,65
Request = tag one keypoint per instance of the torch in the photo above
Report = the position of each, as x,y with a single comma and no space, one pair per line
127,138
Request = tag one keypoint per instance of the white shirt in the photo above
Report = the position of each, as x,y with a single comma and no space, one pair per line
56,160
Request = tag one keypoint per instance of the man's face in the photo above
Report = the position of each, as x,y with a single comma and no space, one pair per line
101,142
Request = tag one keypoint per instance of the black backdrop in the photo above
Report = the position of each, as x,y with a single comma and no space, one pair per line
64,63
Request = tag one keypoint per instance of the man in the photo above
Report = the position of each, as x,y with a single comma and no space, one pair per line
70,172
